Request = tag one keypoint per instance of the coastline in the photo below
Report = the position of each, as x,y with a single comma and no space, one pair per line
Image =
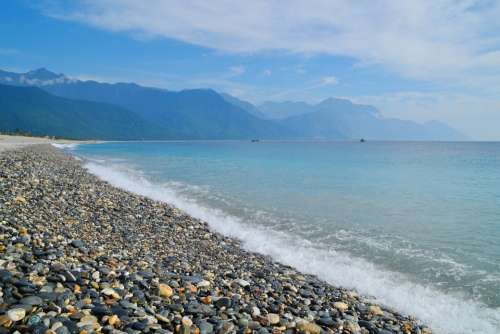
140,264
10,142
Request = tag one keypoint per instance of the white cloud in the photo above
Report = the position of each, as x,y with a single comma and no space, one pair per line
423,39
452,44
302,90
329,80
267,72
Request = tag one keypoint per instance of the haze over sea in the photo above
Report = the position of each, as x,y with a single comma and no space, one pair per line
416,225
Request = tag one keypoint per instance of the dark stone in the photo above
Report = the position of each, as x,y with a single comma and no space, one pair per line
205,327
120,312
195,279
5,276
176,308
77,243
368,325
33,320
328,322
147,274
101,310
385,331
71,326
223,302
24,284
39,328
48,296
31,300
62,330
139,325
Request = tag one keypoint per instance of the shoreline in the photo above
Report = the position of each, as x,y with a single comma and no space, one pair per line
11,142
178,275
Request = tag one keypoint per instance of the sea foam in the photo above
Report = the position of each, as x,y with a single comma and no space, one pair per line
65,146
444,313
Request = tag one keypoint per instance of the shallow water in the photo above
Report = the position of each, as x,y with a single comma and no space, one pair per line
416,225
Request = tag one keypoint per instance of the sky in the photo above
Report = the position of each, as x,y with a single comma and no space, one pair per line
420,60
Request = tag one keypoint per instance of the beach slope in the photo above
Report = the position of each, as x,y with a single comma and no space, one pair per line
8,142
78,255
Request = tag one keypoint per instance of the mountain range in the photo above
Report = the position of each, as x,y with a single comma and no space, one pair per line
32,110
45,103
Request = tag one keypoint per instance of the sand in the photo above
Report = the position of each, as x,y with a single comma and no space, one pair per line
8,142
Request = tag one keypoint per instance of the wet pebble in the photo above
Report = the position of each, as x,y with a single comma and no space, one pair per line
77,255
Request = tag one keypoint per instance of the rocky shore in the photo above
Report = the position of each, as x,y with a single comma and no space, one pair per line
80,256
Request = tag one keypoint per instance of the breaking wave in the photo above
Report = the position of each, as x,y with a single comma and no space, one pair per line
445,313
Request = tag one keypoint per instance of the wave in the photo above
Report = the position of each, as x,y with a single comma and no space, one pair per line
445,313
65,146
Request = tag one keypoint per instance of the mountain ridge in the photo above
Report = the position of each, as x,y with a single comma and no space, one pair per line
207,114
187,114
335,118
35,111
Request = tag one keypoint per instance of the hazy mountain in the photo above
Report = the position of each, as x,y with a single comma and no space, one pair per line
438,129
188,114
247,106
342,119
206,114
282,110
33,110
39,77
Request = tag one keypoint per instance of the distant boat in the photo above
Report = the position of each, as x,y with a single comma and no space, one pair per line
255,140
362,140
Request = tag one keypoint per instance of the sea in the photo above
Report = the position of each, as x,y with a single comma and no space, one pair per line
414,226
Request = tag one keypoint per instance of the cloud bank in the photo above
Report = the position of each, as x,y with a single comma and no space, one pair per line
423,39
452,47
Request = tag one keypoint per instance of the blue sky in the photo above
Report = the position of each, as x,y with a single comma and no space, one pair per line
418,60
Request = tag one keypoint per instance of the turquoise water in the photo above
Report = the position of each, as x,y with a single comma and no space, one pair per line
415,225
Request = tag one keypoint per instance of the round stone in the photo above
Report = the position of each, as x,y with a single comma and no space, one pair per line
110,293
165,290
16,314
31,300
341,306
375,310
187,322
308,327
273,318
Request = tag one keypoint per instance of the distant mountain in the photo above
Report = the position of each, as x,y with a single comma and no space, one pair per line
282,110
438,129
188,114
39,77
206,114
342,119
33,110
247,106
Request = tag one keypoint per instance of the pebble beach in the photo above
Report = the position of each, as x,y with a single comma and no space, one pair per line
80,256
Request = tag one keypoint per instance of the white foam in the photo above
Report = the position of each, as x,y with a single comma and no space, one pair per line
443,312
65,146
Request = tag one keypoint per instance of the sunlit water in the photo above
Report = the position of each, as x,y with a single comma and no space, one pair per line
415,225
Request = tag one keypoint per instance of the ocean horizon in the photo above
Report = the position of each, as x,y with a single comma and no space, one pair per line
413,225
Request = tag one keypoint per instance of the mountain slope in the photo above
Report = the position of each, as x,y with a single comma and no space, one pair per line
247,106
33,110
282,110
342,119
188,114
38,77
206,114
